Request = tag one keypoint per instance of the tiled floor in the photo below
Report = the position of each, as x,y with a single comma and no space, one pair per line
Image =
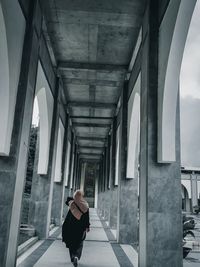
100,250
97,251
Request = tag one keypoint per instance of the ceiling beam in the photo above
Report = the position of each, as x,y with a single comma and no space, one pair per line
90,154
85,124
91,147
95,82
65,65
90,160
92,105
92,118
90,138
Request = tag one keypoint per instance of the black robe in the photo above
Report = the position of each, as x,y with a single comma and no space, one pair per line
73,230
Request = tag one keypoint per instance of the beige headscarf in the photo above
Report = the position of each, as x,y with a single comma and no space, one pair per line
79,205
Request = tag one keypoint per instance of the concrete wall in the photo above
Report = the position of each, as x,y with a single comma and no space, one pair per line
108,206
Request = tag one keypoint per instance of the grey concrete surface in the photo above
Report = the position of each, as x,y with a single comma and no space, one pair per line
160,235
57,203
96,253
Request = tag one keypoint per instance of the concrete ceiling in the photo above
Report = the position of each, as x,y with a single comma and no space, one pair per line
92,42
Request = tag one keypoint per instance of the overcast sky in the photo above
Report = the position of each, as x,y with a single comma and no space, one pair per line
190,95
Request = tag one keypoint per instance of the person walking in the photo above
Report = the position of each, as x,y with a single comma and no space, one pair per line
76,225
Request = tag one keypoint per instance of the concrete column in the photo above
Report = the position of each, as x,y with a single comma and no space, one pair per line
103,173
75,167
13,167
113,188
108,164
42,185
70,180
103,187
101,176
78,172
194,189
96,187
187,205
107,199
58,188
127,226
83,166
160,223
80,169
100,186
109,160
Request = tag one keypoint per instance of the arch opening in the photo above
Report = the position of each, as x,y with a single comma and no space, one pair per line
133,131
186,201
45,106
172,37
4,89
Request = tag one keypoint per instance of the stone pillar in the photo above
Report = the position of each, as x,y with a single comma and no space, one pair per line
83,166
101,176
113,188
42,185
71,172
100,186
194,189
127,225
103,172
160,224
187,205
75,167
13,167
78,173
107,199
109,162
96,187
58,188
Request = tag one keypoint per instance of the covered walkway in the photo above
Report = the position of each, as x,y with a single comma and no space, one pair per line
100,250
102,78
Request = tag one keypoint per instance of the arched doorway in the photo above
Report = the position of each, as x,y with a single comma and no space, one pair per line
4,88
134,130
172,37
186,202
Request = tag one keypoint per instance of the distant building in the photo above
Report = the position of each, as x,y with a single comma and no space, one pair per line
190,180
